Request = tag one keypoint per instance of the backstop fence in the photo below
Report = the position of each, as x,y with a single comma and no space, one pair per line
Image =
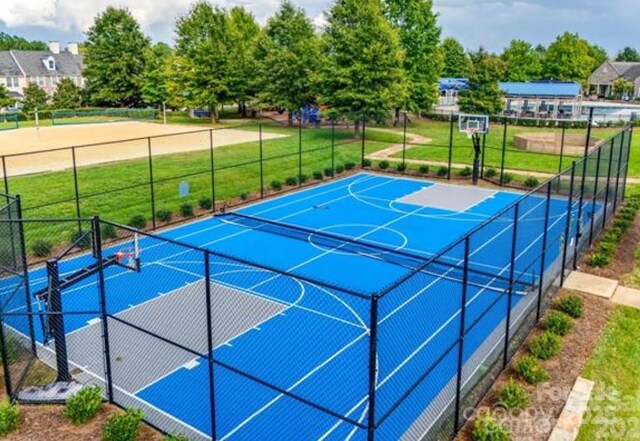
422,389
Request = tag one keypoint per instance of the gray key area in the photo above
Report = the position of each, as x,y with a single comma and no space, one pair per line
448,197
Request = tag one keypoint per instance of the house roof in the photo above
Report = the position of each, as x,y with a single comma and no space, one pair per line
622,67
542,89
31,63
632,73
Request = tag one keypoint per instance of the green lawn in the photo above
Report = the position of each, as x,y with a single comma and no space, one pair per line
614,408
117,191
438,148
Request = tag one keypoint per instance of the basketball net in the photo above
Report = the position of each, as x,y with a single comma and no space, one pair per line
471,131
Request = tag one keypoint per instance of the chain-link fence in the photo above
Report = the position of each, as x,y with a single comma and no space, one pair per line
160,330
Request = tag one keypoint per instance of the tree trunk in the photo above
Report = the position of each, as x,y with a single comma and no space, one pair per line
356,128
290,118
215,116
244,110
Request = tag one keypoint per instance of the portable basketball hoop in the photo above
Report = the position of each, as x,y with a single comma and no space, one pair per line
129,256
471,131
473,126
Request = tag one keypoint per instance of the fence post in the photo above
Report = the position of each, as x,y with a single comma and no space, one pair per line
207,278
97,250
3,351
404,144
626,164
333,146
373,366
450,160
25,268
615,193
564,129
595,193
76,189
261,161
153,196
514,239
213,173
606,195
4,175
544,251
56,318
504,150
364,132
567,229
300,152
463,310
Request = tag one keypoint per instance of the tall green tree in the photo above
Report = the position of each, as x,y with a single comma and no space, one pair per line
484,95
115,59
419,32
568,58
628,54
67,95
456,61
522,61
599,55
5,98
34,98
363,76
10,42
155,90
289,58
243,38
201,67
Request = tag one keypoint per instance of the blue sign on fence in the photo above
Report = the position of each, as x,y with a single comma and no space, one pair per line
183,189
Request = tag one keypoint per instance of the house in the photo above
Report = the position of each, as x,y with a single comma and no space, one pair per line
601,80
45,68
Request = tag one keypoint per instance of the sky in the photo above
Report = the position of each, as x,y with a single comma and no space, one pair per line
488,23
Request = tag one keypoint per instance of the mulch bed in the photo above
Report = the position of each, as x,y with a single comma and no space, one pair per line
548,399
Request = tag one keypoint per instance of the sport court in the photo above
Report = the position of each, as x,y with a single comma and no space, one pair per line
291,307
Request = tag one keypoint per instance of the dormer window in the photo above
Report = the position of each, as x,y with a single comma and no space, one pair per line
50,63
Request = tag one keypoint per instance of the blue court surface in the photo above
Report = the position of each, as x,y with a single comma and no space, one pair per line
300,318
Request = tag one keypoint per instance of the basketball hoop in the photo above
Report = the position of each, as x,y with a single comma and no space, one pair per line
471,131
127,256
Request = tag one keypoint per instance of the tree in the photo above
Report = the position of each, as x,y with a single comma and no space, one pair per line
289,57
35,98
13,42
115,59
568,58
628,54
155,90
5,97
484,95
522,61
417,26
599,55
243,36
623,88
363,75
456,60
67,95
201,65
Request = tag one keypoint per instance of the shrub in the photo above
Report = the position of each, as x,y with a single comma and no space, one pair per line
401,167
465,171
290,181
486,428
164,215
108,231
41,248
351,165
83,405
424,169
531,182
571,305
491,173
529,369
186,209
328,172
506,178
9,418
339,169
366,162
599,260
558,323
545,345
383,165
83,239
443,171
122,426
276,185
205,203
513,396
244,196
138,221
317,175
303,178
